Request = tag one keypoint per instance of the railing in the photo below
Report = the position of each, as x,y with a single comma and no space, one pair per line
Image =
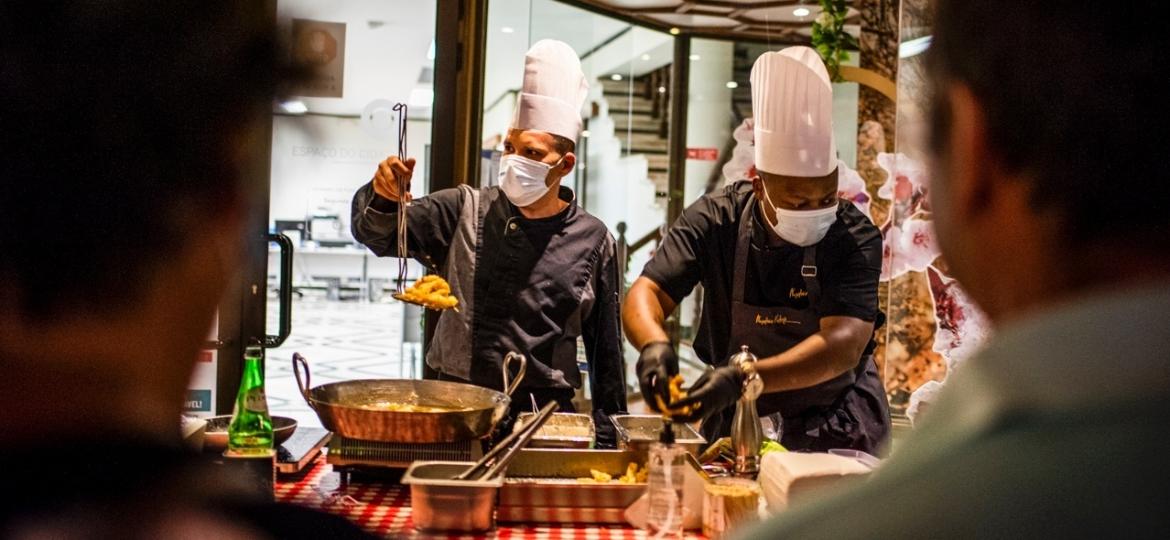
660,78
625,249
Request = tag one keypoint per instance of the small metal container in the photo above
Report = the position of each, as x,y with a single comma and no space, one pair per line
637,431
440,504
562,430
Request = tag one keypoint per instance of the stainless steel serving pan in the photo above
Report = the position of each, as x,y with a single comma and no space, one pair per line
638,431
345,408
562,430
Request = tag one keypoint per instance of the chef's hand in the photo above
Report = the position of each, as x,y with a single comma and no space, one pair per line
389,172
656,365
715,390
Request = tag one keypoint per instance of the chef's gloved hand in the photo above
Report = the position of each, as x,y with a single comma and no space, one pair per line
715,390
656,365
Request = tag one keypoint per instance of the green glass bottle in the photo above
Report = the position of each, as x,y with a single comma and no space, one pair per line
251,429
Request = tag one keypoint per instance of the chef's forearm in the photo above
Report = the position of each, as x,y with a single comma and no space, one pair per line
644,313
835,349
433,220
374,227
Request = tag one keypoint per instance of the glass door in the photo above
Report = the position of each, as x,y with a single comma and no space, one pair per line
327,139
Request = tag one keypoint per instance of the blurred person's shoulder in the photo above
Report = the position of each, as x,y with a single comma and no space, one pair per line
1054,430
80,488
1045,478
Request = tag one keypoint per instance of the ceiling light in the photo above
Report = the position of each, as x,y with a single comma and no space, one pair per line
675,31
695,58
616,77
732,84
645,57
801,12
661,89
294,107
507,30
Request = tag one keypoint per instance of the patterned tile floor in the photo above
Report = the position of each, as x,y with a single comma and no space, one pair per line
346,340
342,340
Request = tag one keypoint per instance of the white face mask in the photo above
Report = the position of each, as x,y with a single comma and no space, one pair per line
524,180
802,227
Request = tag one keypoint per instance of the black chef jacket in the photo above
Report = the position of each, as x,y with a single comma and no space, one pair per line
700,247
538,284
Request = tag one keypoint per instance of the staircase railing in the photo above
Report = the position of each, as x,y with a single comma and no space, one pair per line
625,249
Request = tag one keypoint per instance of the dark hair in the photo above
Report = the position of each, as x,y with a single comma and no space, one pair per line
118,120
563,145
1073,97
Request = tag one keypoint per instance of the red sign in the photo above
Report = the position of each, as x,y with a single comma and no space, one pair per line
703,154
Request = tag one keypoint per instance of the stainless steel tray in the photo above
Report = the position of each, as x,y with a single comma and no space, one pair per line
550,514
637,431
571,463
542,486
562,430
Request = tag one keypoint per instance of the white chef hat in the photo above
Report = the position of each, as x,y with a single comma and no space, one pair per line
553,92
792,103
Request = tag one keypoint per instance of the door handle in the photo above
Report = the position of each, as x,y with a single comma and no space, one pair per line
285,291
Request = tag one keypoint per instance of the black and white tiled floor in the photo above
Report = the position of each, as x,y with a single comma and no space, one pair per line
342,340
347,340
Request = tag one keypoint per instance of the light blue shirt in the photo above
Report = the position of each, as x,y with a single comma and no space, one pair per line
1059,428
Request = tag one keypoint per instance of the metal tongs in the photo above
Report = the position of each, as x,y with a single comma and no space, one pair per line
495,462
403,204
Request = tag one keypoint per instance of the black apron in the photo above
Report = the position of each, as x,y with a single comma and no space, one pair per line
848,411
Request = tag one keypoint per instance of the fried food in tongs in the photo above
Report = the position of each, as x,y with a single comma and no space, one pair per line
431,292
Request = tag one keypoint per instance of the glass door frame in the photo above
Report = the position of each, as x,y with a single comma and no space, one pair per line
459,45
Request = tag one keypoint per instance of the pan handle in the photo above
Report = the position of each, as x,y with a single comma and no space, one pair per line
299,363
510,384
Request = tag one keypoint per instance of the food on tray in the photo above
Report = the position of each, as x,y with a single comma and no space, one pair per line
676,393
431,292
633,475
391,406
559,426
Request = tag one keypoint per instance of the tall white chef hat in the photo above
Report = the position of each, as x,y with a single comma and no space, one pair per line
792,103
553,92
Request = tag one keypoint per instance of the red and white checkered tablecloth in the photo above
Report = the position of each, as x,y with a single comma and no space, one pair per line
384,509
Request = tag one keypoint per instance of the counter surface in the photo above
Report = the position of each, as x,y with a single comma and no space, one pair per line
384,509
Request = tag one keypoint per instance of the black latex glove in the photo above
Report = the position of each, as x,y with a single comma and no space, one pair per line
656,365
714,391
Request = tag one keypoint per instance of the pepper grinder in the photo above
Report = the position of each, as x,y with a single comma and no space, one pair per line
746,432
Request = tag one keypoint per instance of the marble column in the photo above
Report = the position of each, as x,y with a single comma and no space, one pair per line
879,53
876,114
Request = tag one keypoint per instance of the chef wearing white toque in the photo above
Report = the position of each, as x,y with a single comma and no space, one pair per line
787,269
534,272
